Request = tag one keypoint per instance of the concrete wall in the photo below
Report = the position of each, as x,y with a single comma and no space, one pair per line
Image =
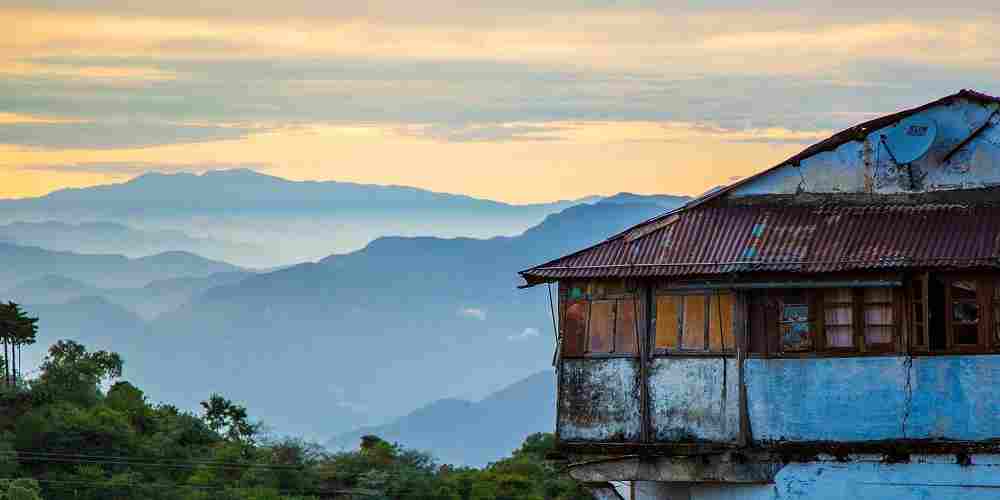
850,399
874,398
932,477
694,399
866,167
599,400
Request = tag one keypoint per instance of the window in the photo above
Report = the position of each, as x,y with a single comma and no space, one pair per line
879,317
599,327
996,315
795,327
602,326
574,331
838,318
694,329
843,320
697,322
918,307
964,301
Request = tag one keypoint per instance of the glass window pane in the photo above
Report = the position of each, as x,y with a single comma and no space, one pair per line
574,327
838,316
878,335
601,326
693,336
963,290
966,334
839,336
796,337
965,312
625,337
878,315
668,309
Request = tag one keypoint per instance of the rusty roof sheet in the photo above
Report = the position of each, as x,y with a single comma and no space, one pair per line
709,241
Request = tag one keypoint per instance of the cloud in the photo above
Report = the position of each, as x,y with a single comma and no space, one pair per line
552,91
114,134
525,334
473,313
487,132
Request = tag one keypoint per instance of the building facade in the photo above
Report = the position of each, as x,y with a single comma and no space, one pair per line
828,328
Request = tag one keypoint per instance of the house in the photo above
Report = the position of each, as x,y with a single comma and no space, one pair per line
827,328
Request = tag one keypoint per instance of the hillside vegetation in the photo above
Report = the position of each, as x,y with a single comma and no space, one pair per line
77,431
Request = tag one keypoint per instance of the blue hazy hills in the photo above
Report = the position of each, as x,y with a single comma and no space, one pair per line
319,348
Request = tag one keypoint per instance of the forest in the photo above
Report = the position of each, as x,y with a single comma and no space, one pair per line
72,429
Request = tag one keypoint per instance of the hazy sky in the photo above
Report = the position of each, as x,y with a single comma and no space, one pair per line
515,100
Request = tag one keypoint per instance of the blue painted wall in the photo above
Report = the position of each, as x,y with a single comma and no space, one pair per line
874,398
938,478
829,399
826,399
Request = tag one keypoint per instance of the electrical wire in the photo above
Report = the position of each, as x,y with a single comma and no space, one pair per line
36,456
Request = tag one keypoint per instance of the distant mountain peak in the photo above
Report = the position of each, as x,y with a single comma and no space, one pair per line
665,200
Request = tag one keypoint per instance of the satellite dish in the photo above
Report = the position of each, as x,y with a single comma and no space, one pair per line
910,138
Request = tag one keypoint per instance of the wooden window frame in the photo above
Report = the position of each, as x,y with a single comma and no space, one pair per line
589,299
765,318
983,300
807,299
894,328
918,312
822,325
994,325
710,296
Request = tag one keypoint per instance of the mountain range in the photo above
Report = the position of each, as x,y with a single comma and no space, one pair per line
25,263
352,339
470,433
379,331
111,238
253,219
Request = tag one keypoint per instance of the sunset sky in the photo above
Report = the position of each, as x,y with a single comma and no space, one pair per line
513,100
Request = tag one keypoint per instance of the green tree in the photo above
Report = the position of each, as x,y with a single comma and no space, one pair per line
17,329
229,419
19,489
71,373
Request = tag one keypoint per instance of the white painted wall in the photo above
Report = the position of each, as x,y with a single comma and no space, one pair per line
866,167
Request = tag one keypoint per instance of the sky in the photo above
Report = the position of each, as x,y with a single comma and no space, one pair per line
514,100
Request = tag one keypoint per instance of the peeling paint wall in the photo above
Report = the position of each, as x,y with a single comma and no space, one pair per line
694,399
936,477
874,398
867,167
599,400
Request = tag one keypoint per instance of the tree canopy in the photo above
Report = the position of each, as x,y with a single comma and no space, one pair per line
64,436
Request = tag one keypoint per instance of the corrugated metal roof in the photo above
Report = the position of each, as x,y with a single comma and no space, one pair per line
707,241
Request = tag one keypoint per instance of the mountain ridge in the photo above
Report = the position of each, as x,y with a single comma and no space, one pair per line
463,432
24,263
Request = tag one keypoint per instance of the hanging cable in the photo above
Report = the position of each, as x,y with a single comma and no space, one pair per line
555,327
